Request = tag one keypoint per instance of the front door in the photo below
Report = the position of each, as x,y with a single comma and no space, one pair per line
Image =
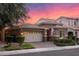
48,34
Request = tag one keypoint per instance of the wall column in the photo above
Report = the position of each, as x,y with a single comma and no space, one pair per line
45,35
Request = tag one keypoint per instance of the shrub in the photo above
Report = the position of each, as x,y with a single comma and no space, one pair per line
20,39
64,42
72,37
9,39
77,40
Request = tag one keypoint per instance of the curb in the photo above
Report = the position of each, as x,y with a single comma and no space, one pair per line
2,53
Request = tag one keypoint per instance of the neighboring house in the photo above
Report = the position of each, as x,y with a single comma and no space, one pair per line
71,24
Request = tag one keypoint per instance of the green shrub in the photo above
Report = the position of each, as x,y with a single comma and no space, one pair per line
20,39
72,37
9,39
77,40
64,42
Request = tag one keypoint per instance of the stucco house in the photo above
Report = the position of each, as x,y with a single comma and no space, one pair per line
71,25
45,29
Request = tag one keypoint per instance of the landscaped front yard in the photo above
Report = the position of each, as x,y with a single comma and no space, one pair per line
15,46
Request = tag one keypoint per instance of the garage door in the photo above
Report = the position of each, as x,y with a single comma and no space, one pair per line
33,37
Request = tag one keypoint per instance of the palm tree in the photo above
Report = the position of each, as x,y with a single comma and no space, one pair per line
11,13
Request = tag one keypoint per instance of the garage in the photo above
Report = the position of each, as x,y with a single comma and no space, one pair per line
33,36
32,33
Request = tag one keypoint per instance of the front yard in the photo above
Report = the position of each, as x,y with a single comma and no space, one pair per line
15,46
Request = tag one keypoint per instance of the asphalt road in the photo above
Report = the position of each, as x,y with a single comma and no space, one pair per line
66,52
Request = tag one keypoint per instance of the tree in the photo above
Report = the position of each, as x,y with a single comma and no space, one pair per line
11,13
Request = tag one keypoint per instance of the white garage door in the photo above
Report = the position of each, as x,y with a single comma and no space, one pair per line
33,37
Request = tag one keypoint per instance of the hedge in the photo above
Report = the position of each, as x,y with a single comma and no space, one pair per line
64,42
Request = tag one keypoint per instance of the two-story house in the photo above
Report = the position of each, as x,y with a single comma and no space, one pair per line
72,25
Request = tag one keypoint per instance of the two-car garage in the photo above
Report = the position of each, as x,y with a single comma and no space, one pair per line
33,36
32,33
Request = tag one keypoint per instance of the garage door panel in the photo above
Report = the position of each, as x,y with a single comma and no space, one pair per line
33,37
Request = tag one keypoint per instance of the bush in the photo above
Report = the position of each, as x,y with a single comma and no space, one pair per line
64,42
77,40
9,39
72,37
20,39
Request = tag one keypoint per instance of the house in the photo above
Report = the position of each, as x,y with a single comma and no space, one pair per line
41,31
71,25
46,29
53,28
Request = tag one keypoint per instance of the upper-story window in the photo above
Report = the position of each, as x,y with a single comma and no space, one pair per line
75,23
69,22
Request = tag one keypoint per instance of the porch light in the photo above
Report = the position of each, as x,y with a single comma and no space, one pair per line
22,34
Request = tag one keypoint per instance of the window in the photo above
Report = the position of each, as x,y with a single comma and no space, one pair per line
60,33
75,23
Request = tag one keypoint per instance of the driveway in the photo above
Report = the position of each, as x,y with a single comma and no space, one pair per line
2,44
43,44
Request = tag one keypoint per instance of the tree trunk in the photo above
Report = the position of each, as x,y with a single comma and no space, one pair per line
3,35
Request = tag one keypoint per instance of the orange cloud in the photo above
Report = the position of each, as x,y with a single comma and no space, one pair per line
52,13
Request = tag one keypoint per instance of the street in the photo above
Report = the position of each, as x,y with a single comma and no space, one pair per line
66,52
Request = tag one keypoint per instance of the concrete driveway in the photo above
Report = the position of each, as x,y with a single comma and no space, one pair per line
43,44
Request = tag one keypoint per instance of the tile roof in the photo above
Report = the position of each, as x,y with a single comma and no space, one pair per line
68,18
47,21
31,26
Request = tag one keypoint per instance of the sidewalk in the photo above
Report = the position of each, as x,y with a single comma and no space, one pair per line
36,50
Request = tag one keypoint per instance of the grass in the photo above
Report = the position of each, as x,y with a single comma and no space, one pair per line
14,47
27,46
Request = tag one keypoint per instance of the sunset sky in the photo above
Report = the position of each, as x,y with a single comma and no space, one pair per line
51,11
